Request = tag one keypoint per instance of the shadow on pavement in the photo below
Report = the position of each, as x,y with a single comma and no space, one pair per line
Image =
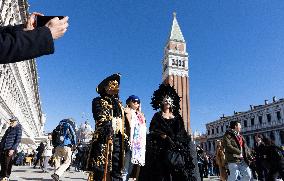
19,171
28,178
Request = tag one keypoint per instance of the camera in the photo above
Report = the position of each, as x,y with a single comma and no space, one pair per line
42,20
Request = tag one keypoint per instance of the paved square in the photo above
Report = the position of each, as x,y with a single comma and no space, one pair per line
21,173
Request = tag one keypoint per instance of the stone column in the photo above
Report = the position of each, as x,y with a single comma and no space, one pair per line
277,137
251,141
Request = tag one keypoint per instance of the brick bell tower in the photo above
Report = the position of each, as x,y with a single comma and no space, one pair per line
175,69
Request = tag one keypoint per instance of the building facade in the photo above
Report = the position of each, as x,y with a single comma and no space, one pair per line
267,119
19,91
175,69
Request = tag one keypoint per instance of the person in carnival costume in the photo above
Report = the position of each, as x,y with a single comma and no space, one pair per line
135,157
169,148
107,152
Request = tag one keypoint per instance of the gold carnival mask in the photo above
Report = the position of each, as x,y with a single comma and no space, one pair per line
113,87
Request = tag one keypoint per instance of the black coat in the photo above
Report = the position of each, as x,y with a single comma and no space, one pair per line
18,45
274,161
11,138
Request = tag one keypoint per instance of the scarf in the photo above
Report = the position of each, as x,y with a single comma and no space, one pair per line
240,140
137,138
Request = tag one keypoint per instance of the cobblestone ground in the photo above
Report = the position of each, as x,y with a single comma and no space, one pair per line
21,173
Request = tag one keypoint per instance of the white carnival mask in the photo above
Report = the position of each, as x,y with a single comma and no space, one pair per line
168,100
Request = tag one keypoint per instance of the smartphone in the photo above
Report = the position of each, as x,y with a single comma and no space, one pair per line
42,20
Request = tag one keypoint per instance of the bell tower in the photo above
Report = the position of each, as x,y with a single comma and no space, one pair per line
175,69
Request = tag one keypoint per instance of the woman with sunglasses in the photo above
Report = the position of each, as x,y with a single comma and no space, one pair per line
135,155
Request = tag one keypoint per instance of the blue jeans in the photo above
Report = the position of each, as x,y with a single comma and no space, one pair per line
239,171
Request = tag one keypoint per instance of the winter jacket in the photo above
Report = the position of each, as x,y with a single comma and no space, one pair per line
233,149
11,138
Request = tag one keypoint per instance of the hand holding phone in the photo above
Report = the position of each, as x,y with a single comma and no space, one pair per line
43,20
56,25
31,21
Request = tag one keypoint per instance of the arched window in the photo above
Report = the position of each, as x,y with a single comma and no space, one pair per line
247,140
272,136
278,114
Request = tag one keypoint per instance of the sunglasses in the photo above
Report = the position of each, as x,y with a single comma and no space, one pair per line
138,101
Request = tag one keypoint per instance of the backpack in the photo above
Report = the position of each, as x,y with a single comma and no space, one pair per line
58,133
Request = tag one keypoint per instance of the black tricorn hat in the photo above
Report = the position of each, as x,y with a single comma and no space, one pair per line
101,87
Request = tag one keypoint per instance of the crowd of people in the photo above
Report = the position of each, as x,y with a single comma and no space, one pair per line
165,153
233,159
120,149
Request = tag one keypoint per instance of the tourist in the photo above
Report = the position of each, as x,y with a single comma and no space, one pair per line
237,153
64,140
135,156
47,152
23,42
8,147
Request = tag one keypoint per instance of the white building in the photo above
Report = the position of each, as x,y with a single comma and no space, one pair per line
85,133
19,92
267,119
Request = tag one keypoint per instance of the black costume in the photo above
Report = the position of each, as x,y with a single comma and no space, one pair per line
274,161
18,45
170,158
109,118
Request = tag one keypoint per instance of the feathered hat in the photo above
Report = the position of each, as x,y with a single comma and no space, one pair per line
164,91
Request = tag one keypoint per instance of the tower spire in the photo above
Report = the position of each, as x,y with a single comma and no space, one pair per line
174,14
176,33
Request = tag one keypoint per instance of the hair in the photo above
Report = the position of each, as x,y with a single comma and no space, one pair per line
139,108
259,135
267,141
160,93
219,146
233,124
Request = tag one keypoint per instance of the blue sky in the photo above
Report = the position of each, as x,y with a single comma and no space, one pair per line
236,53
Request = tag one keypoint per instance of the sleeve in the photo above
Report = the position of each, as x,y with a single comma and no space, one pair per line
74,140
18,138
229,147
17,45
155,127
10,28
